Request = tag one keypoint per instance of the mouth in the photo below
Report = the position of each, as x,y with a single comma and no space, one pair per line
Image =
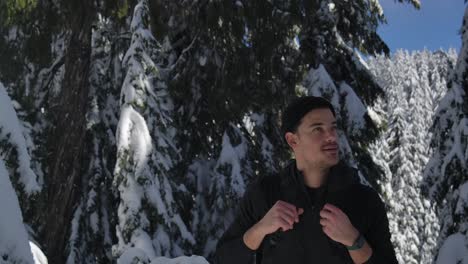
330,149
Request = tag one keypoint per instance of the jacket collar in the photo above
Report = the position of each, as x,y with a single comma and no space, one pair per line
339,178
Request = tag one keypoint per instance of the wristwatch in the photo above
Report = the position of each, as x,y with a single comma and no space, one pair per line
358,243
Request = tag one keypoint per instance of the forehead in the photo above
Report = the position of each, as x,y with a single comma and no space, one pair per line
321,115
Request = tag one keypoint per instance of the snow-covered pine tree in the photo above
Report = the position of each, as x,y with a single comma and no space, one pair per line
245,153
14,243
227,182
35,50
408,82
92,231
238,75
15,167
413,215
441,65
149,220
15,148
31,50
446,173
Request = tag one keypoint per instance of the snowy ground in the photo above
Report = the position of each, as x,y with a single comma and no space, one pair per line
180,260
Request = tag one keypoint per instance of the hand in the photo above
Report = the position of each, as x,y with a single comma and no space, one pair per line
282,216
336,225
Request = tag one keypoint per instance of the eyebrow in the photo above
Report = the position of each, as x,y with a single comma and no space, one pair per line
320,124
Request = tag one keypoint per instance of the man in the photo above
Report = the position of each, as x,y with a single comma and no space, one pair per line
315,210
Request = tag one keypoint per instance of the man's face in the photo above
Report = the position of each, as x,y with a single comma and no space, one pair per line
315,141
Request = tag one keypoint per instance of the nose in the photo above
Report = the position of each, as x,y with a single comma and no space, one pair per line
331,135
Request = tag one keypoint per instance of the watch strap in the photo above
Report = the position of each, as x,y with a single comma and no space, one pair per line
358,244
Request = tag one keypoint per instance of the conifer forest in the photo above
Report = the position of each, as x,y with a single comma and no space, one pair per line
130,129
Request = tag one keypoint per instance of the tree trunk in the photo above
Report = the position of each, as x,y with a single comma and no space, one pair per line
66,142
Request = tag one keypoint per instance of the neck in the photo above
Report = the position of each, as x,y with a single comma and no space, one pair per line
314,177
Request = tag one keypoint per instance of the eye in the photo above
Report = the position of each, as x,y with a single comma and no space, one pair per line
317,129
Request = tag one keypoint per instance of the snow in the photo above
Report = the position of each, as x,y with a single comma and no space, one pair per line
319,83
249,124
355,109
14,241
456,150
133,133
252,121
11,128
180,260
462,203
38,255
454,250
376,118
73,235
233,155
133,139
202,60
376,4
133,255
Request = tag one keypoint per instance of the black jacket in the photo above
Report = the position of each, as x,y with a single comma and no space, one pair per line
306,242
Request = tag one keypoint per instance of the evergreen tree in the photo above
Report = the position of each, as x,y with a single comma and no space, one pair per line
236,95
92,234
446,172
227,183
14,244
15,167
149,222
409,89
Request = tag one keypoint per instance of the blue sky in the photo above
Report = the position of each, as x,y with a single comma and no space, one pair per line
436,25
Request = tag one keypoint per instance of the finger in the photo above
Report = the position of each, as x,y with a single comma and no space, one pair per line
332,208
327,214
324,222
281,223
300,211
294,212
288,205
335,210
284,224
286,210
287,218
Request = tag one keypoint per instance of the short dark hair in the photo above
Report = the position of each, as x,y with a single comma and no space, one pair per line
298,108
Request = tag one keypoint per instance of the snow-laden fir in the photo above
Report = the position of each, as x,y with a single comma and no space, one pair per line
413,85
446,172
149,221
14,242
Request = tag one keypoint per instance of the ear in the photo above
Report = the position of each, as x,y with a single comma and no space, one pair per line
291,138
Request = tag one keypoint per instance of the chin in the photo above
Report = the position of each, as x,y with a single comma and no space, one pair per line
330,162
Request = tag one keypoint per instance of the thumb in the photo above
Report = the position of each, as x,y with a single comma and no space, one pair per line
300,211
